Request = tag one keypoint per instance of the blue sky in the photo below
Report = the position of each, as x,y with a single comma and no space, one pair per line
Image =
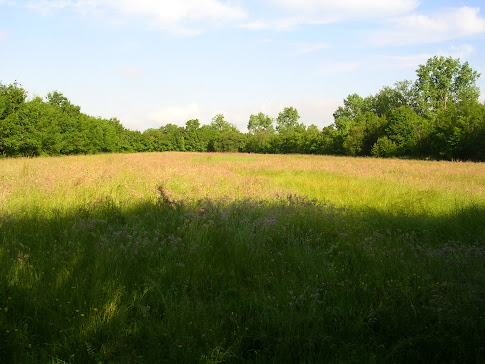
150,62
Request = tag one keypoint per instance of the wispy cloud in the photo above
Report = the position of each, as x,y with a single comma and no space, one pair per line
281,24
187,17
46,7
345,9
292,13
451,23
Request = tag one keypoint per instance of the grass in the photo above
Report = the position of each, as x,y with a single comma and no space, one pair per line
192,257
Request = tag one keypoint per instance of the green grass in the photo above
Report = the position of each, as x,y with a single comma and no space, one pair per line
332,268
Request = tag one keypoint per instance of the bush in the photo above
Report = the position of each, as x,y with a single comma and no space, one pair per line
384,147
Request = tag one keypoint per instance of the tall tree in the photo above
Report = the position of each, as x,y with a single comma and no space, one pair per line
287,121
260,123
219,123
354,106
442,80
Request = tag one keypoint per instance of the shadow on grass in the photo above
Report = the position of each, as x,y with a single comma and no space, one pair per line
285,281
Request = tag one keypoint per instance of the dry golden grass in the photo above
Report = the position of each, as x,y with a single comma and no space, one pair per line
75,180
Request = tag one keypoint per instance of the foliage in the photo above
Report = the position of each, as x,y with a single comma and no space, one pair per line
436,116
384,147
260,123
442,81
287,121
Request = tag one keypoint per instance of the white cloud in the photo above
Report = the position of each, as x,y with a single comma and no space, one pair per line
448,24
45,7
292,13
172,15
281,24
312,110
170,12
343,9
461,51
177,115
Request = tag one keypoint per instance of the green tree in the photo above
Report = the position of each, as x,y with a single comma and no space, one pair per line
58,100
219,123
409,131
332,140
384,148
354,106
260,123
460,132
227,141
311,143
443,80
11,99
287,121
193,138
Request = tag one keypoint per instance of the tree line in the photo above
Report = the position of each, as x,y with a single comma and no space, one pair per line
436,116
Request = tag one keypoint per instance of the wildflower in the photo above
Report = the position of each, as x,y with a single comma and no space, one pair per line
29,346
77,311
5,309
95,309
7,331
180,346
82,315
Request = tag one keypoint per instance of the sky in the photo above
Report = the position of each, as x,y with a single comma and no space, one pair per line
150,63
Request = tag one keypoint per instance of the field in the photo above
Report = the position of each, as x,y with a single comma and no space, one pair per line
196,257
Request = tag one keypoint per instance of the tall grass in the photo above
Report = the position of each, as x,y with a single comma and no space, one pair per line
238,258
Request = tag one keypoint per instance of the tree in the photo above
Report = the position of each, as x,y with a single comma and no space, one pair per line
193,140
408,131
287,121
384,148
60,101
227,141
260,123
11,99
443,80
354,106
218,123
460,131
312,141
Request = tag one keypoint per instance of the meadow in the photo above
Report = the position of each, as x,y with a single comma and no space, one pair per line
204,257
